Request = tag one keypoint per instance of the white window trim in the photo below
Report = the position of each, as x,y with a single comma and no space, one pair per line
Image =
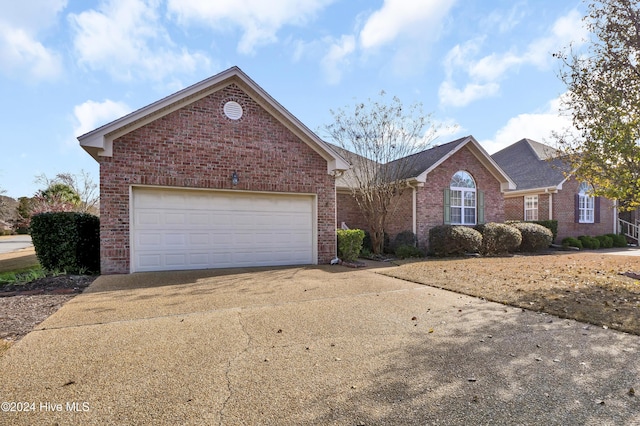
462,207
533,200
586,206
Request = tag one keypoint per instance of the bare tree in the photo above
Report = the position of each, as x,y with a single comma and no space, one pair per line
380,139
82,184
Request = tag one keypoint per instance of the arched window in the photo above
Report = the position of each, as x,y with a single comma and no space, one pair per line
463,199
586,203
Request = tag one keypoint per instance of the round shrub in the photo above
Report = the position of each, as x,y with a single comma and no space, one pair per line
589,242
534,237
349,243
405,238
605,241
572,242
499,238
447,240
407,251
618,240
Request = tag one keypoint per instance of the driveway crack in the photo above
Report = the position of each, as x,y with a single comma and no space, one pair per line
230,365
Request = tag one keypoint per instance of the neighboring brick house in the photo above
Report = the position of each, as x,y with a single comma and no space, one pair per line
453,183
216,175
546,190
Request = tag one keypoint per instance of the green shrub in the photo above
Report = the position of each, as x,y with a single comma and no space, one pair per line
67,241
407,251
447,240
618,240
551,225
350,243
534,237
499,238
368,245
572,242
589,242
405,238
605,241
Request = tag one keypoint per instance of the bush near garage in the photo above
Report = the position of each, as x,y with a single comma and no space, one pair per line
449,240
534,237
67,241
350,243
572,242
499,238
618,240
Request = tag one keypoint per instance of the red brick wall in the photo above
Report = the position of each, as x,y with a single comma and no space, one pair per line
564,213
198,147
514,208
430,198
349,212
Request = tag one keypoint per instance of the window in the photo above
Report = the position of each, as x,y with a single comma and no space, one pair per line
586,205
463,199
531,207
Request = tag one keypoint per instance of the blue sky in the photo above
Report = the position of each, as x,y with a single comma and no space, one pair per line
482,68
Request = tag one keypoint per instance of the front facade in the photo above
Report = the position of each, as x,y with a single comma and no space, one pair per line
456,183
546,190
217,175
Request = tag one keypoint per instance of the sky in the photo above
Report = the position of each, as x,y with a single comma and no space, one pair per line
481,68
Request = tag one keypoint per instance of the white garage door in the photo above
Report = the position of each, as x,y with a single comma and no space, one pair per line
181,229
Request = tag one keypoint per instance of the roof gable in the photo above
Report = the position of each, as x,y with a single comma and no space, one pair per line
99,142
532,165
426,161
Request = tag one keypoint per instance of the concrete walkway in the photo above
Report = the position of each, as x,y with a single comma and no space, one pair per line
311,345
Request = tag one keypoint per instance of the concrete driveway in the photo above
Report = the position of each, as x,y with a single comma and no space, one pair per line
311,345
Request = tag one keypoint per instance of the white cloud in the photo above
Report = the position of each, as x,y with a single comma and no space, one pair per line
449,94
336,60
258,20
127,39
91,114
535,126
399,18
485,73
21,51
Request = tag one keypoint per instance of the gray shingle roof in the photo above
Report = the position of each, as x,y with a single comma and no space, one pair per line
531,164
424,160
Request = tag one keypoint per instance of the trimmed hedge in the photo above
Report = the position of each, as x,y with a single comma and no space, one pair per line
551,225
405,238
618,240
589,242
499,238
534,237
605,241
572,242
447,240
350,243
67,241
407,251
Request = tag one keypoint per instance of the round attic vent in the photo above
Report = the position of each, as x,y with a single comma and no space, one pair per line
233,110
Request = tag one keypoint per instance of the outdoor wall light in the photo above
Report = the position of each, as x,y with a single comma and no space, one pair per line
234,178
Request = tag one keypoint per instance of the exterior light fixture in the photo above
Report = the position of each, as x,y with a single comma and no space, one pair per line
234,178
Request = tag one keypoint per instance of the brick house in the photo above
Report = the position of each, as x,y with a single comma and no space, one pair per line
546,190
453,183
216,175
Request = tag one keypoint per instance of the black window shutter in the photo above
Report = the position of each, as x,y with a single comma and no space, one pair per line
576,208
596,210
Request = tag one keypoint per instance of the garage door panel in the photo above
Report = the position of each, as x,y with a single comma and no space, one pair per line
176,229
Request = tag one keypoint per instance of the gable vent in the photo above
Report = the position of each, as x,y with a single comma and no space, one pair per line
233,110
